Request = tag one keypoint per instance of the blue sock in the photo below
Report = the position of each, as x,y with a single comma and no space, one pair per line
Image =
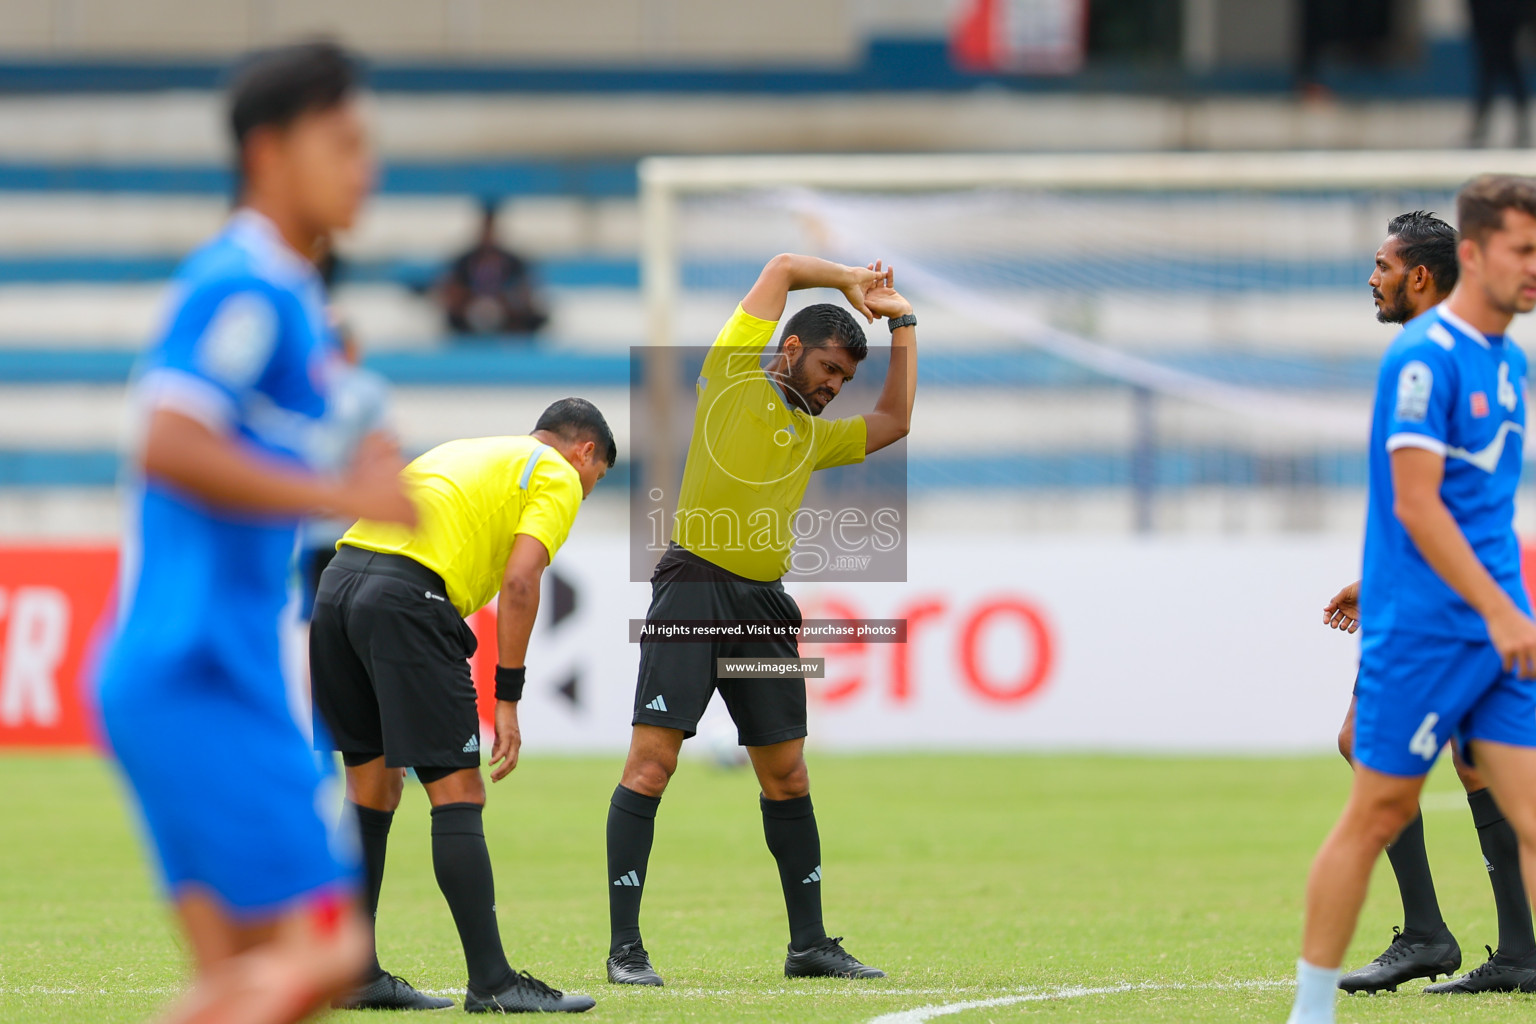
1316,990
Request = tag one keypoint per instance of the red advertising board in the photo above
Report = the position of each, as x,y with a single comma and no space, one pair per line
53,603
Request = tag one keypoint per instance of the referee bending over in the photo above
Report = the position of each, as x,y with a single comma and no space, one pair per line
757,437
389,652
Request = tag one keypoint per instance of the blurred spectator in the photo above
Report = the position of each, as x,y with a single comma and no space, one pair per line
489,289
1496,26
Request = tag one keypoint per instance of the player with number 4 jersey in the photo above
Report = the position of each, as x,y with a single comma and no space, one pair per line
1449,646
1427,669
1416,270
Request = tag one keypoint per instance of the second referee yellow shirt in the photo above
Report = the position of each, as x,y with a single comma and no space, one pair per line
473,498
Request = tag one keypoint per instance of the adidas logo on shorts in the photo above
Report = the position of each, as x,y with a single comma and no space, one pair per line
473,746
659,704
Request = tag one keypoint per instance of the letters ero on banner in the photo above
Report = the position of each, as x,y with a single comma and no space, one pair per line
851,670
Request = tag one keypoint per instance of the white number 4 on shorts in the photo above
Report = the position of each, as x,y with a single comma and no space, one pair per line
1424,743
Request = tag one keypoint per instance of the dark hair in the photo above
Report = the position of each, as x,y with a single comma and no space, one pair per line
274,87
825,324
1481,203
1425,240
576,419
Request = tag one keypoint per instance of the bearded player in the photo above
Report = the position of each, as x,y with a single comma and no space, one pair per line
1415,270
1449,645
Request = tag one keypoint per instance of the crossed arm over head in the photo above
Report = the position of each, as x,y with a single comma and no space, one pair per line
871,291
788,272
892,417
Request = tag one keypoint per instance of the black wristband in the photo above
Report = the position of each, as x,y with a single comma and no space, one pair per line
898,322
509,682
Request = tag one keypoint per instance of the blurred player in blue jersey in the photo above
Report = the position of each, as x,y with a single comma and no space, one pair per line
1416,269
1449,646
239,441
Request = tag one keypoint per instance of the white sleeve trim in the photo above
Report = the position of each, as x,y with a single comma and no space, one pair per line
187,394
1424,441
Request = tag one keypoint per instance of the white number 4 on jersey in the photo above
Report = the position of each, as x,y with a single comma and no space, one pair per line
1507,396
1424,743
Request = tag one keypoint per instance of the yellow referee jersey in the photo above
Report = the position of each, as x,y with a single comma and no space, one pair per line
472,499
751,456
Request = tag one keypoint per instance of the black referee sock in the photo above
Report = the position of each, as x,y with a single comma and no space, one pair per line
1501,851
463,868
373,831
1410,863
790,828
631,827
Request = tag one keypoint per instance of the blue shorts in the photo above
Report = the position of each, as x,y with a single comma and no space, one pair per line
230,794
1416,693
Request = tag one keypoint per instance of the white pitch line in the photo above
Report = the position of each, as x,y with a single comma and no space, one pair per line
921,1014
634,991
912,1016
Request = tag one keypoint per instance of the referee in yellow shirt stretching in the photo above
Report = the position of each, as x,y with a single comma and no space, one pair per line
389,652
757,437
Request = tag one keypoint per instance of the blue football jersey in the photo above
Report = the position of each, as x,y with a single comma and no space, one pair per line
247,349
1446,388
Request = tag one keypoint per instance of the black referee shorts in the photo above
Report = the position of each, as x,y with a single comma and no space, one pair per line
389,664
677,679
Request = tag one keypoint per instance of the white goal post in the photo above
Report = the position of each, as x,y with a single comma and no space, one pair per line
1159,272
665,180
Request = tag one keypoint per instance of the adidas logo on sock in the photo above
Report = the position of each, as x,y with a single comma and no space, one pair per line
814,876
659,704
473,746
628,878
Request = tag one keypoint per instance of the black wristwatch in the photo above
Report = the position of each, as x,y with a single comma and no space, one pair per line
897,322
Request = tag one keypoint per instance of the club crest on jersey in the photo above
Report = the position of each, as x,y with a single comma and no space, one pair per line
1479,404
1414,384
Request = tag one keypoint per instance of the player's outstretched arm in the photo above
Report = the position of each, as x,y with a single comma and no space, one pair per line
892,417
1416,479
1343,612
187,453
516,608
788,272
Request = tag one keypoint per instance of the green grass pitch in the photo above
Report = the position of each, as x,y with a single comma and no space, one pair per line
1096,888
